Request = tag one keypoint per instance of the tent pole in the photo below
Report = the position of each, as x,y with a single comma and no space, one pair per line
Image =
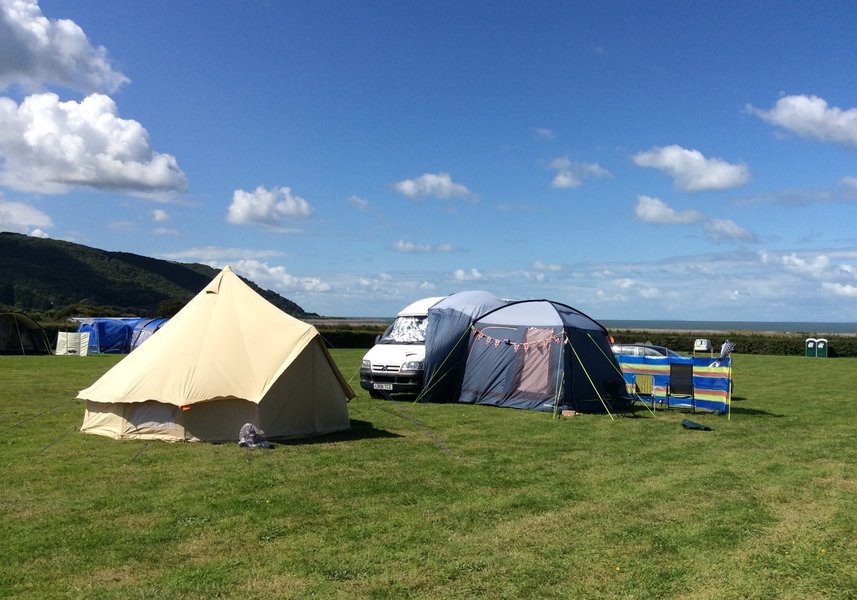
729,393
559,387
20,339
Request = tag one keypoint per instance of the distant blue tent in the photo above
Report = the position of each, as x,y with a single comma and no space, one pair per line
109,335
447,342
144,329
542,355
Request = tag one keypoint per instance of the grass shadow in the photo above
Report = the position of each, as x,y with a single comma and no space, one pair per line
360,430
640,411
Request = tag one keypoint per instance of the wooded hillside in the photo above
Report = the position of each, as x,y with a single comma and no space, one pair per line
54,276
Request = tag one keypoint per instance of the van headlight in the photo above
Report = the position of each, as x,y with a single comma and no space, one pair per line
366,364
412,365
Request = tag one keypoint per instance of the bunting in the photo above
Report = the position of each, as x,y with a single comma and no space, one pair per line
497,342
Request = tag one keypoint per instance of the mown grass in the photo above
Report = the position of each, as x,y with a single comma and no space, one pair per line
440,501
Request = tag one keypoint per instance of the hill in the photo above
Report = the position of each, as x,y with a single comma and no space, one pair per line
50,275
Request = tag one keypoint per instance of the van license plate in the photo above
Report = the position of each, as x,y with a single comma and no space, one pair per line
383,386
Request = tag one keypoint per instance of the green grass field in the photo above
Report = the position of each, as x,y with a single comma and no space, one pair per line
440,501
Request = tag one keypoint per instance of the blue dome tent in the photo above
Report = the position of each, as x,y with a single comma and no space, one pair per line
542,355
109,335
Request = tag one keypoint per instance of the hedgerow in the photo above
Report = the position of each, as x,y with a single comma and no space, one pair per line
773,344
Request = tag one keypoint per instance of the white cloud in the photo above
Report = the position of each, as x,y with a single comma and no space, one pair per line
165,231
266,207
358,202
811,117
594,169
816,268
725,229
39,233
841,289
560,163
415,248
654,210
566,179
48,146
160,216
216,254
467,275
628,287
277,278
796,275
19,218
693,172
849,182
439,185
543,133
570,174
808,264
540,266
409,247
35,51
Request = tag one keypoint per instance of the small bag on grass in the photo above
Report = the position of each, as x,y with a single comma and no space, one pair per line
251,437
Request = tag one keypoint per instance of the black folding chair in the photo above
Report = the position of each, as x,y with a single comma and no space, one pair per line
681,383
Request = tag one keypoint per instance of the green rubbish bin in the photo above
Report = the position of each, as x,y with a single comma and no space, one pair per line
811,346
821,348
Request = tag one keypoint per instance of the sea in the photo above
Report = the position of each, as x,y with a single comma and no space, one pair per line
807,327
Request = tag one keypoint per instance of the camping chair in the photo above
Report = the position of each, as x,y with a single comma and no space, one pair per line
681,383
644,386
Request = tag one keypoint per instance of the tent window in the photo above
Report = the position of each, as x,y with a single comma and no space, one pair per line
152,416
535,362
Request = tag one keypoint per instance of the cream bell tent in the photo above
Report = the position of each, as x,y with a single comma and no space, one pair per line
227,358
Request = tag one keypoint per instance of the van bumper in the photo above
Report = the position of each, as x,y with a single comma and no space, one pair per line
408,382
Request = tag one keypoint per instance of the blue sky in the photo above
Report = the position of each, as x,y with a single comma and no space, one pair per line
664,160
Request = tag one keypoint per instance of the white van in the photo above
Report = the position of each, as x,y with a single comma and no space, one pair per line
397,360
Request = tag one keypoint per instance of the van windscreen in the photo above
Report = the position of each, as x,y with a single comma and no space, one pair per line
406,330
